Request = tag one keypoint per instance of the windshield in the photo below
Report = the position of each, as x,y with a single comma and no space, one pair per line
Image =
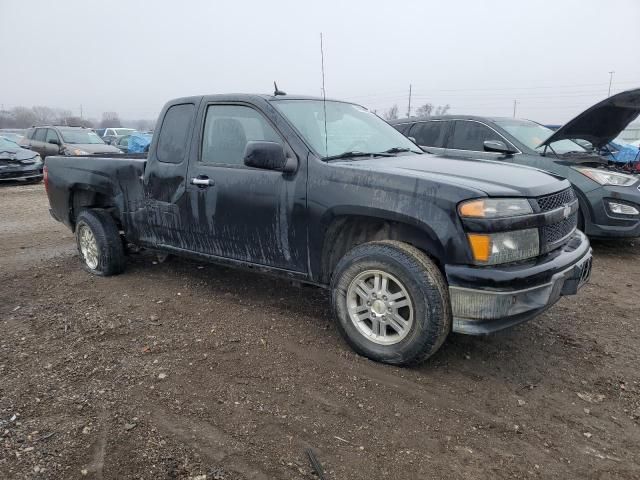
6,144
349,128
80,136
533,134
123,131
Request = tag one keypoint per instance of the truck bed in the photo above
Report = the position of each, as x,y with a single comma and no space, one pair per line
114,181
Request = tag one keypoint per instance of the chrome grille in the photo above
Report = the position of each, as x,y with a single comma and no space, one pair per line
556,200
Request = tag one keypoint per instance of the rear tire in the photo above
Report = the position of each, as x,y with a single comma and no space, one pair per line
391,302
99,243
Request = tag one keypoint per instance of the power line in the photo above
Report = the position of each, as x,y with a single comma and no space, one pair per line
434,90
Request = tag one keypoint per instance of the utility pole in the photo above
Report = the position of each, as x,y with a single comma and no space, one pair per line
515,102
409,109
610,82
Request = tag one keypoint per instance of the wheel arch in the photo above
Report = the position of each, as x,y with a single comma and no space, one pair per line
85,196
346,229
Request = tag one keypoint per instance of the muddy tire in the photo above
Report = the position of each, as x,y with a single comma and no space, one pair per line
391,302
99,243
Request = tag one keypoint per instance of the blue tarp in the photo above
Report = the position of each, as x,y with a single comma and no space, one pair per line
139,142
622,153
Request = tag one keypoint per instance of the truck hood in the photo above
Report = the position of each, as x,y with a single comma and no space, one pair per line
602,122
494,178
94,147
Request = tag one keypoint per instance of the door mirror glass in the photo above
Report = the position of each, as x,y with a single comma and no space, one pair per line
268,156
497,146
54,141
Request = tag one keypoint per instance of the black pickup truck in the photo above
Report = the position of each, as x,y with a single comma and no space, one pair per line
325,192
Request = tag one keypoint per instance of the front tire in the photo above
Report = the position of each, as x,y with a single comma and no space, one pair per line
99,243
391,302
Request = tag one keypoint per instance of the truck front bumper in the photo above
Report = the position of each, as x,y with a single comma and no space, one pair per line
488,299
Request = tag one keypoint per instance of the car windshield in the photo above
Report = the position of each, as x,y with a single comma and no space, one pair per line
533,134
349,128
80,136
123,131
8,145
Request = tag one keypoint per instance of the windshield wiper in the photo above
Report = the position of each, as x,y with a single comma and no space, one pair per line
400,150
355,153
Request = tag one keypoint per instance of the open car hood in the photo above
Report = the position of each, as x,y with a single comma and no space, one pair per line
602,122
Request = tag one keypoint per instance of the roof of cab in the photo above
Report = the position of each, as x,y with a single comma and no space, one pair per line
249,97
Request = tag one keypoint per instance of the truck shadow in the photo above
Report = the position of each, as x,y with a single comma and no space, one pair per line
478,356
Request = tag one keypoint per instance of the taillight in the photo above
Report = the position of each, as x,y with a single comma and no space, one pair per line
45,178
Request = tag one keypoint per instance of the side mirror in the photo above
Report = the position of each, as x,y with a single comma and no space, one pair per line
413,139
268,156
54,141
498,147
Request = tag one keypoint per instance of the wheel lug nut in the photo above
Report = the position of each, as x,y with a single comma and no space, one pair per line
368,304
384,297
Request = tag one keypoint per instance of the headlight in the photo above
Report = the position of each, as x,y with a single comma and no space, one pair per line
494,207
605,177
504,247
76,151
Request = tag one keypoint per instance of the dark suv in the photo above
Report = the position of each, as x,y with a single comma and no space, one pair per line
52,140
609,198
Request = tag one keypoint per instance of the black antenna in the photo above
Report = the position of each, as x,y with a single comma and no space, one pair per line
276,91
324,101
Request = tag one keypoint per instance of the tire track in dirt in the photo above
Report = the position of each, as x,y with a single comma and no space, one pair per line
210,441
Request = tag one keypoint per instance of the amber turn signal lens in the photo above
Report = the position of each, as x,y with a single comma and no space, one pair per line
474,208
480,246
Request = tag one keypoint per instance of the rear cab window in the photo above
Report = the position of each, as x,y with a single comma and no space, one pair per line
174,133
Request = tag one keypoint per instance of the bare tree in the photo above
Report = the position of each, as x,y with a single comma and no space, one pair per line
23,117
443,109
424,111
391,114
110,119
44,115
427,109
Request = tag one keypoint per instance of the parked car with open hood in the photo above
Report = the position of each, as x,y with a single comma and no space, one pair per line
18,164
410,245
62,140
609,196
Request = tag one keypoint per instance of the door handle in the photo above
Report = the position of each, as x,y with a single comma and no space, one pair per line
202,182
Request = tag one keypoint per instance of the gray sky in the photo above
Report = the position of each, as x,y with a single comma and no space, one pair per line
131,56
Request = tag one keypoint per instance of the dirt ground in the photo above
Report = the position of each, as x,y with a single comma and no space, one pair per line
188,370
